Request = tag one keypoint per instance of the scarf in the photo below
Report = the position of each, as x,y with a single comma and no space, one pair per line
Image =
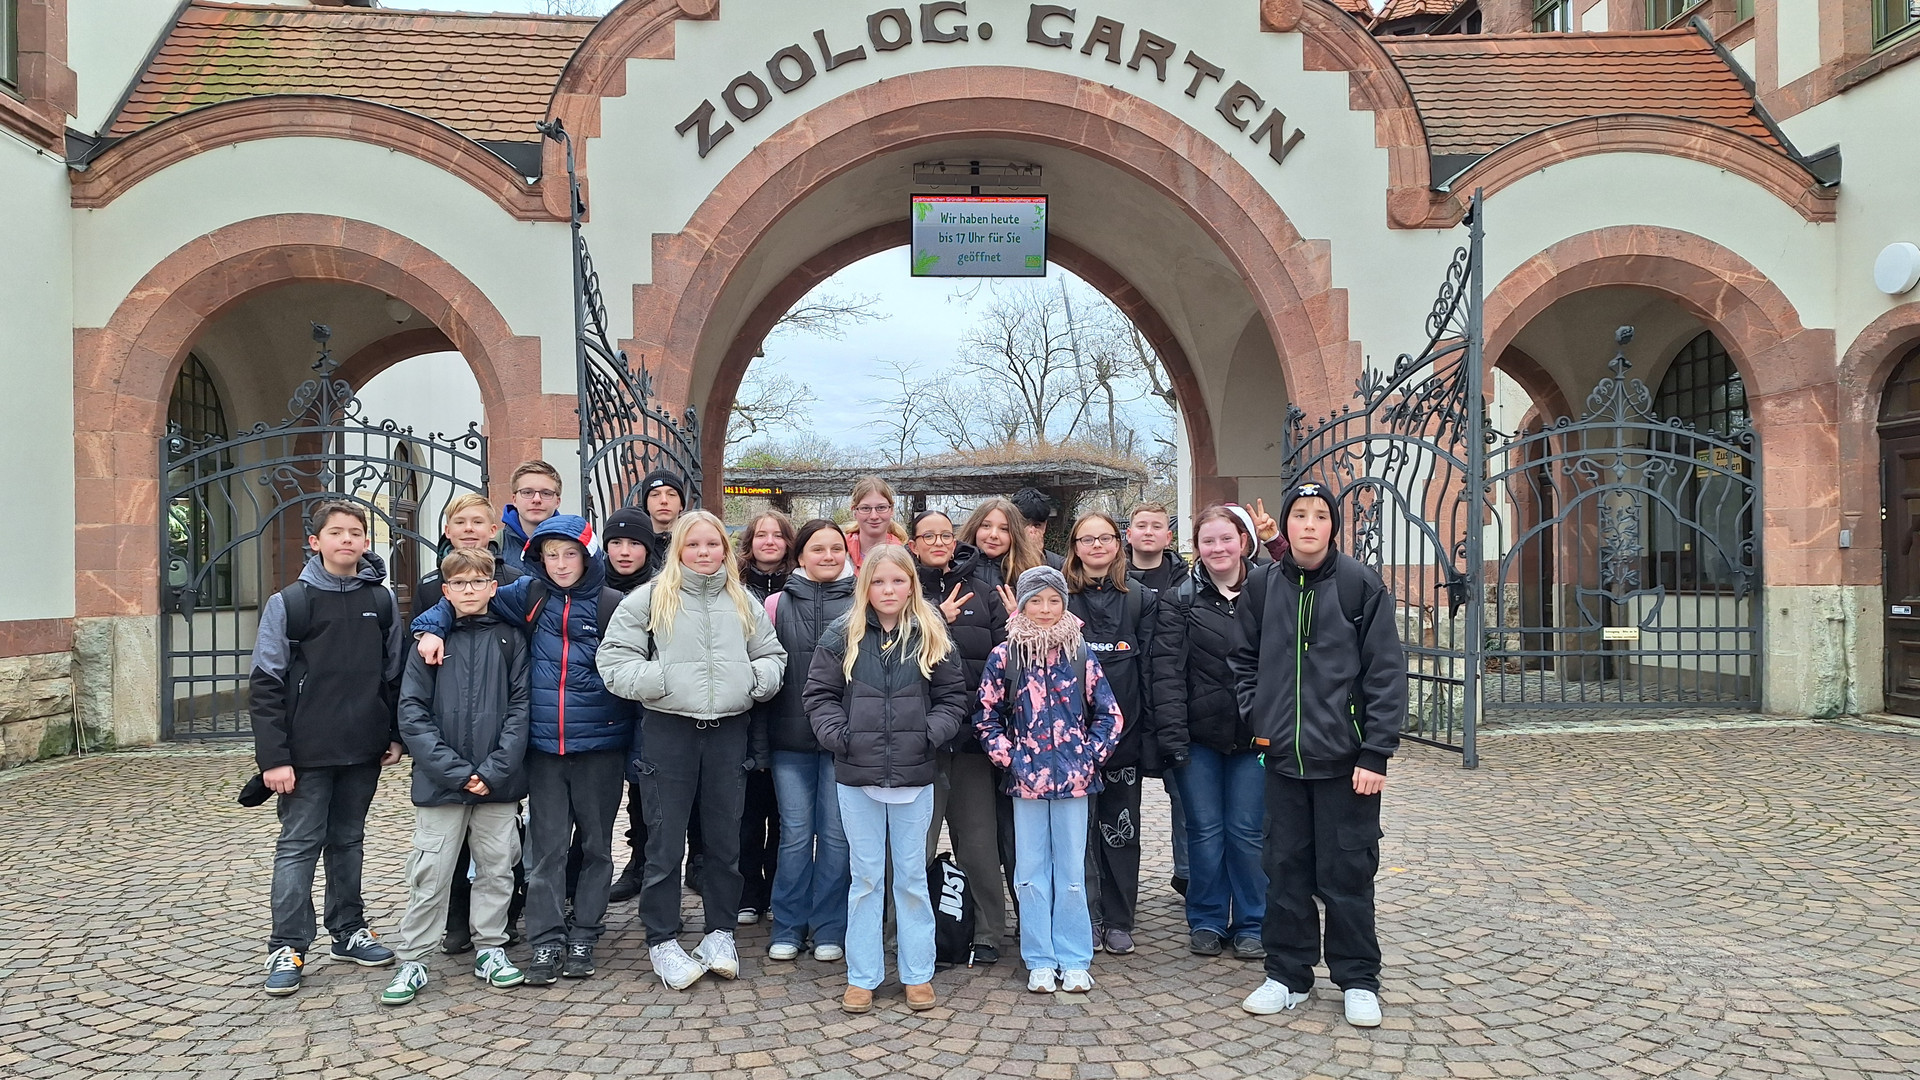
1030,645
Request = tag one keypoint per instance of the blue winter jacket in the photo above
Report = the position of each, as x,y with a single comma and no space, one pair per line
573,711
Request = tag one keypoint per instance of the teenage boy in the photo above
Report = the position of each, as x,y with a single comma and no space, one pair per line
1037,507
536,497
627,540
578,748
1326,729
664,494
465,725
326,668
1151,559
467,522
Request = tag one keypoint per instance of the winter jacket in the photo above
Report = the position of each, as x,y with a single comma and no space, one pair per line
982,623
469,714
513,539
428,592
1192,686
1173,570
333,703
1327,695
884,725
802,614
706,668
573,711
762,584
1119,633
1041,734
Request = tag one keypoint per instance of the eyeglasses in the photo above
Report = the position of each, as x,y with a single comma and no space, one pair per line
1096,541
468,584
536,493
874,508
935,538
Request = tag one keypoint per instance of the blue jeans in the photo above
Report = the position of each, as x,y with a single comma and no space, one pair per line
1225,797
1050,877
874,827
810,876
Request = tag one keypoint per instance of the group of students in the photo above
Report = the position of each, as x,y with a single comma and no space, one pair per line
875,684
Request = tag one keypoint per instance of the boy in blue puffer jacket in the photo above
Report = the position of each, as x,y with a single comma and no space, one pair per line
576,759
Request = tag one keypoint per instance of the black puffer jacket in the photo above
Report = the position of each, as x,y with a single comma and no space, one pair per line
1118,627
760,583
804,611
885,724
982,623
468,715
1193,694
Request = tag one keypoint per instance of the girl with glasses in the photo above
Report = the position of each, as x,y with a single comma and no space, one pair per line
873,524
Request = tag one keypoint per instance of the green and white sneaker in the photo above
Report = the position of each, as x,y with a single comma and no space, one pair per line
498,971
406,983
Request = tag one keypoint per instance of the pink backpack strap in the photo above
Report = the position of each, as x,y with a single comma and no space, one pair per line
772,604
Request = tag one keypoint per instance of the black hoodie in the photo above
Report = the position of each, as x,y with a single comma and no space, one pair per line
1327,695
1119,634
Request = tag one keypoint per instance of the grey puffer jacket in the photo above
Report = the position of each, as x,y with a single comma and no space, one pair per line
469,715
705,668
884,724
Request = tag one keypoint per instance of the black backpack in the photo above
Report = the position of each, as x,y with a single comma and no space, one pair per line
297,600
952,912
610,598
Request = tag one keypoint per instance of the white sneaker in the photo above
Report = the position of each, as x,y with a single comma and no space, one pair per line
783,950
828,954
717,954
674,966
1363,1008
1272,997
1040,981
1076,982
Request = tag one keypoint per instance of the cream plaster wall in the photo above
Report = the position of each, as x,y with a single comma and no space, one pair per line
107,42
1743,54
1797,52
1878,203
36,351
522,267
1594,19
649,180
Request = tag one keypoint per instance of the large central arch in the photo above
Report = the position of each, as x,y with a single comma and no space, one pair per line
718,284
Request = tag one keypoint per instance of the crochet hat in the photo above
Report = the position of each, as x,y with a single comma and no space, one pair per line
1037,579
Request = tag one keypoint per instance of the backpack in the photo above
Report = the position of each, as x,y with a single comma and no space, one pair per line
610,598
297,600
952,912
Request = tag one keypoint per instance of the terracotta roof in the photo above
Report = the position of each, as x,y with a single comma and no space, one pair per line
1478,92
1404,9
489,77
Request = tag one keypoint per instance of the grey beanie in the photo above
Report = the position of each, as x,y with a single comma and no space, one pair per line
1036,579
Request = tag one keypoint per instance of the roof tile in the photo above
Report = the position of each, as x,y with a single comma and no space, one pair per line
490,77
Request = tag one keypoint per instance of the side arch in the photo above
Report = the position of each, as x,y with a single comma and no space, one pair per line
124,372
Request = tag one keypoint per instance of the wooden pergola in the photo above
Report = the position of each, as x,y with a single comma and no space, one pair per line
1065,479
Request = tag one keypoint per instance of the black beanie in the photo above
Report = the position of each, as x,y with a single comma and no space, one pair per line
1312,489
630,522
1034,505
660,478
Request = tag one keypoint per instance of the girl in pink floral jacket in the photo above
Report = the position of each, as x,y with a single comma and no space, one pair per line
1051,734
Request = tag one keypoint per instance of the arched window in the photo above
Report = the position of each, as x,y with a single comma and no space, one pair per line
1694,551
200,518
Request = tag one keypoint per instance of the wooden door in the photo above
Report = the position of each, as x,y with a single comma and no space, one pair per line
1900,518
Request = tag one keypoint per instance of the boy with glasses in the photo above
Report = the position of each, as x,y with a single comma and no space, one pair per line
536,497
466,725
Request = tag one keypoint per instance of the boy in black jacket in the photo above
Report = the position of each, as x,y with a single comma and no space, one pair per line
1322,680
326,666
465,722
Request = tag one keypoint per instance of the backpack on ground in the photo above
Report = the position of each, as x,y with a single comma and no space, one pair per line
952,912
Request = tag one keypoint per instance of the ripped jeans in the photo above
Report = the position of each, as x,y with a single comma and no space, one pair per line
1049,876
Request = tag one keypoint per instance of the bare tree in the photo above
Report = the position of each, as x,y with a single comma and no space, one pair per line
579,7
768,403
901,416
1024,348
828,315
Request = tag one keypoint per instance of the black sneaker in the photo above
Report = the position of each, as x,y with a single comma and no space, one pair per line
544,968
1205,943
362,948
457,942
579,963
1248,947
984,955
627,885
283,971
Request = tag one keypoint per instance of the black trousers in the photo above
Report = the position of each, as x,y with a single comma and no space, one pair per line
1113,850
636,829
569,792
1322,841
686,762
759,842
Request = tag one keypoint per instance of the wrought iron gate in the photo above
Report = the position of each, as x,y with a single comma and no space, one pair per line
1624,570
624,432
233,530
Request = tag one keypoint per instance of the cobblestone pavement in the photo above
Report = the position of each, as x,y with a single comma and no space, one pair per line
1700,903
